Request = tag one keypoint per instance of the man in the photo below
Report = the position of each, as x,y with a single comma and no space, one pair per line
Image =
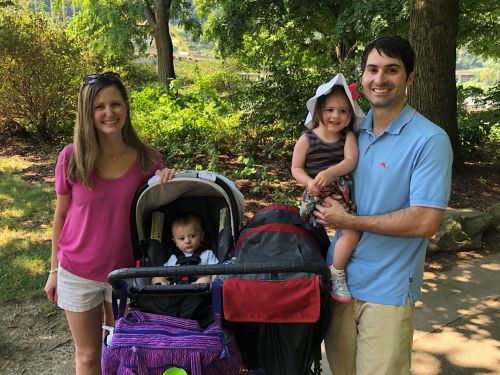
402,186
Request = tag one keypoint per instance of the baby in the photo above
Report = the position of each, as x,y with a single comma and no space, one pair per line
187,233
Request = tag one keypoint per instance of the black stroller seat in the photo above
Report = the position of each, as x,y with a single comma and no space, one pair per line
219,206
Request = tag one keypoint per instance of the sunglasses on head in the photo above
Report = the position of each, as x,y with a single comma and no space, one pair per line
109,76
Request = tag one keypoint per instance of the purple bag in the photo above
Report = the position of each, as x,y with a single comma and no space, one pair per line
145,343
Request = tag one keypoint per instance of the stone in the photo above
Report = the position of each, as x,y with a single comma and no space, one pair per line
474,222
494,211
460,229
492,235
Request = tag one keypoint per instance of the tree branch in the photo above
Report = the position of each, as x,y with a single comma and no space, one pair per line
150,14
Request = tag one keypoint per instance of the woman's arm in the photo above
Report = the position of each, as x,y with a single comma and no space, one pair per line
62,205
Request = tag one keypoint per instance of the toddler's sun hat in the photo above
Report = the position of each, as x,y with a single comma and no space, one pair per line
324,89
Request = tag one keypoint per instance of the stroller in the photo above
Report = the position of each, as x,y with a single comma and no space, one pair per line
220,206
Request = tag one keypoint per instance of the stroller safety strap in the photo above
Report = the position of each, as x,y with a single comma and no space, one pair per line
119,310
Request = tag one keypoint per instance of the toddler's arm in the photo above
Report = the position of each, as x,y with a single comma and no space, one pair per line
346,166
298,164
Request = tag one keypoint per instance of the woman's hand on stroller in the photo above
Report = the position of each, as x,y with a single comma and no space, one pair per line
165,174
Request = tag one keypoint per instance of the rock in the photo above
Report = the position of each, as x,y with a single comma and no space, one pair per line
460,229
494,211
492,235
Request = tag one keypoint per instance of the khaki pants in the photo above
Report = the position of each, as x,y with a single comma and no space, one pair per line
366,338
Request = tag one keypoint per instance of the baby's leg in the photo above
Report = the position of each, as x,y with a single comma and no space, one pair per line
158,280
344,247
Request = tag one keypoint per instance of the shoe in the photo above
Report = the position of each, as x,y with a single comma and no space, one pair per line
340,291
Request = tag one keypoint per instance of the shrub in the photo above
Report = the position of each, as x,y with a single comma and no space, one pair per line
39,73
274,108
184,124
479,128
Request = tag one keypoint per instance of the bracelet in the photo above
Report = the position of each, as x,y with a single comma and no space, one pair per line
52,271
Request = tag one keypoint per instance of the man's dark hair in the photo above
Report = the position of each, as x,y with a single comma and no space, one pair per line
393,46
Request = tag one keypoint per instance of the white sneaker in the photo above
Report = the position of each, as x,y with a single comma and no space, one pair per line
340,291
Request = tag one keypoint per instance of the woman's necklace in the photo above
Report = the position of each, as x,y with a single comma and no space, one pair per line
118,155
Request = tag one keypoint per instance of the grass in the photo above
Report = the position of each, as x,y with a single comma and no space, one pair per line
26,211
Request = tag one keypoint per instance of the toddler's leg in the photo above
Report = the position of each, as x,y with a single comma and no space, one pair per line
343,250
344,247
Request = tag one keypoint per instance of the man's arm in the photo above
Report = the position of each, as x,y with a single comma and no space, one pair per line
416,221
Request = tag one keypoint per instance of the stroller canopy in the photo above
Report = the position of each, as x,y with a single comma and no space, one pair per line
188,187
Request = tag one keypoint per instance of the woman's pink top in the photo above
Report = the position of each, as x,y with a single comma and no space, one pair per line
96,237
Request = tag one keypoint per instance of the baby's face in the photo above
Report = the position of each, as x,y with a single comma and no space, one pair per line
187,237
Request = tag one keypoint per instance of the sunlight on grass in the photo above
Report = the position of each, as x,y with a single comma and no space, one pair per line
11,213
13,164
26,210
25,238
30,265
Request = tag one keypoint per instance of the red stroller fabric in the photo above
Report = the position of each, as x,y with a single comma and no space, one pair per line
292,301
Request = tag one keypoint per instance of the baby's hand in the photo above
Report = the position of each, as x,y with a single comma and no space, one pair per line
203,280
322,179
159,281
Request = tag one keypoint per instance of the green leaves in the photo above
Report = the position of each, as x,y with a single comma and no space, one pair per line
479,27
39,73
112,29
199,122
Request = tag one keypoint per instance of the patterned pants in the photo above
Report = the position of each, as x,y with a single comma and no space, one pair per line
339,186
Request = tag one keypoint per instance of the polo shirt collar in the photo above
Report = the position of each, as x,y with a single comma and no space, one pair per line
395,126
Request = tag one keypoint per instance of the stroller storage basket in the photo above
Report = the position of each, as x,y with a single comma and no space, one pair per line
148,344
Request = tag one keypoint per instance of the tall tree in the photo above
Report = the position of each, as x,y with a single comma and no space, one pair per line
165,50
116,28
298,44
287,34
433,34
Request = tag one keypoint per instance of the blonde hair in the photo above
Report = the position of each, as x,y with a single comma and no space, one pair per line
337,90
83,161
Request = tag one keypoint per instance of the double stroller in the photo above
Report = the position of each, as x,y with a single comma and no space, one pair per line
266,311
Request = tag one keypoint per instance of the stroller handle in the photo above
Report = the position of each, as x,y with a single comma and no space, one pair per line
218,269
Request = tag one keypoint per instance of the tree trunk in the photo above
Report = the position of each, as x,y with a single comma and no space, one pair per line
63,12
433,33
163,41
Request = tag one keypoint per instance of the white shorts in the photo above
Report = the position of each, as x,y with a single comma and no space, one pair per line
77,294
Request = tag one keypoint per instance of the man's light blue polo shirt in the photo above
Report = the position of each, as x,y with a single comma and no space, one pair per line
408,164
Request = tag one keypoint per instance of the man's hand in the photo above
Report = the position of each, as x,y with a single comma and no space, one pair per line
331,213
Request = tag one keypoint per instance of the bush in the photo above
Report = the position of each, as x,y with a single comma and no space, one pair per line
39,73
274,110
184,124
479,128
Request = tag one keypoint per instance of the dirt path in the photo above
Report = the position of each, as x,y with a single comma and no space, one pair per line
37,340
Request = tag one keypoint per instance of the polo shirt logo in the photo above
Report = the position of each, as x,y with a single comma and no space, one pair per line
383,165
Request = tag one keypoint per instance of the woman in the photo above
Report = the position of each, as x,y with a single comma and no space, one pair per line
96,179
